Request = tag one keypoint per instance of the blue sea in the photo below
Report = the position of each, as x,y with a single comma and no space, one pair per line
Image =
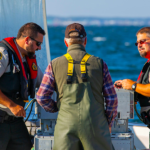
114,44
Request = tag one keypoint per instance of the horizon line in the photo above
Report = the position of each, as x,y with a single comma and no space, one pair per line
98,17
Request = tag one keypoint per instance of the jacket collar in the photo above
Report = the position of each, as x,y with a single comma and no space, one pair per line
76,47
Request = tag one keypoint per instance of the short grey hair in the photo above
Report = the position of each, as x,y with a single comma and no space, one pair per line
75,40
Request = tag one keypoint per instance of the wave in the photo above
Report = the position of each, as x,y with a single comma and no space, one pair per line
97,39
127,44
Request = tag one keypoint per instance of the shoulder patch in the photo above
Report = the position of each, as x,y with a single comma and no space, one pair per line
34,66
2,49
1,55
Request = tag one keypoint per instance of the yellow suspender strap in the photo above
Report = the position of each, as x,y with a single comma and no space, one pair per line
83,63
70,64
83,66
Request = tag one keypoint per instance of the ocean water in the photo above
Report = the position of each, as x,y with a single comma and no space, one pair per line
114,44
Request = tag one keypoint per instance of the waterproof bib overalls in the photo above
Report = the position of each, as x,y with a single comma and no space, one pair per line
80,125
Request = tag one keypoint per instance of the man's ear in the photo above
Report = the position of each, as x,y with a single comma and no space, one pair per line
85,41
27,40
66,43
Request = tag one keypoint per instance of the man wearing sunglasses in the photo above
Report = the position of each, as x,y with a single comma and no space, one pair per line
19,76
142,86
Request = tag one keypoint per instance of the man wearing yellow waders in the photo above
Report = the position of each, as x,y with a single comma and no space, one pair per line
82,83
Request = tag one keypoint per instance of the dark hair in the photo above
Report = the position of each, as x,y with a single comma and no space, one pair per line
30,29
144,30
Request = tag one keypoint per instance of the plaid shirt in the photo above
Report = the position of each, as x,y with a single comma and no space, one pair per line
47,87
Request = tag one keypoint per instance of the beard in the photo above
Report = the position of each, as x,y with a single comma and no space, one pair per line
142,53
29,49
30,54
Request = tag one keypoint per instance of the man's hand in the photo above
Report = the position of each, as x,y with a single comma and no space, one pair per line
17,110
127,84
118,84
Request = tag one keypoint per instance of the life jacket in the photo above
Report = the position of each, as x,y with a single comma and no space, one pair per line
144,79
15,58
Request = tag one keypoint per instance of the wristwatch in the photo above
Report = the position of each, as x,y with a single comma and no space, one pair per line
134,86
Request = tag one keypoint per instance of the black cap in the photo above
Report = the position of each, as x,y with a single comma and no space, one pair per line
75,27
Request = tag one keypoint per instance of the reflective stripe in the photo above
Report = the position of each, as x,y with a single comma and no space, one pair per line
70,64
83,63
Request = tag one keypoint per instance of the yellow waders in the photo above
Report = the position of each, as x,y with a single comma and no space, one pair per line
81,122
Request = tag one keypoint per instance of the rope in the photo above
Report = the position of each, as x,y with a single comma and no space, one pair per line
32,101
139,116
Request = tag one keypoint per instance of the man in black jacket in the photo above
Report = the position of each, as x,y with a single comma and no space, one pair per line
142,86
19,75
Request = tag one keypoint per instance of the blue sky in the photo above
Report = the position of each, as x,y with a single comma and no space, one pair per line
98,8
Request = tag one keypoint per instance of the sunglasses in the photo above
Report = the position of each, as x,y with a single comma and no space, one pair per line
141,42
37,42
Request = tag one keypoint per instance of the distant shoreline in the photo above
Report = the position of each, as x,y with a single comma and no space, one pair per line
97,21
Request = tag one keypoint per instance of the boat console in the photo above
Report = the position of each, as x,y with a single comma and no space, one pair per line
122,137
